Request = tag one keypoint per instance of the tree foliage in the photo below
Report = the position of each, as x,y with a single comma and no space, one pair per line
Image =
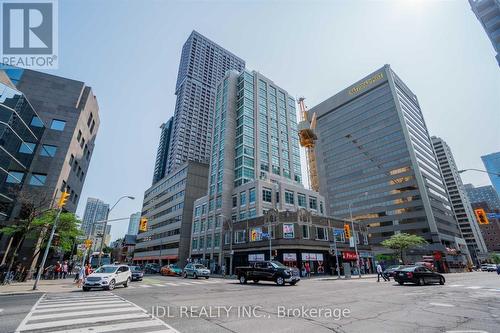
401,242
495,258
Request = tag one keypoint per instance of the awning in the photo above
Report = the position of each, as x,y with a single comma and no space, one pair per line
170,257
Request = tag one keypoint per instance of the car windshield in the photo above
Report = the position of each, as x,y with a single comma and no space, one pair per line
135,268
394,267
199,266
106,269
409,269
277,264
173,266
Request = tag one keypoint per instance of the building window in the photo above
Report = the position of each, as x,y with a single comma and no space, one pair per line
301,198
243,198
235,201
251,196
321,207
267,195
321,232
239,236
243,215
58,125
289,197
48,150
92,126
79,136
82,143
209,242
197,211
71,159
195,244
313,203
216,240
14,177
36,122
27,148
305,231
37,179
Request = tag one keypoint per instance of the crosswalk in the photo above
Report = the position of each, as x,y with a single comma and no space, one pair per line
177,283
89,312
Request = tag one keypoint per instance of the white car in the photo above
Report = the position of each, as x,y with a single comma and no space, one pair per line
108,277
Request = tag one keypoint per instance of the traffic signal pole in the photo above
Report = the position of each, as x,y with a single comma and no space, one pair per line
47,248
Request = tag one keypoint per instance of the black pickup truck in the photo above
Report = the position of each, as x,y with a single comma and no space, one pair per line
268,271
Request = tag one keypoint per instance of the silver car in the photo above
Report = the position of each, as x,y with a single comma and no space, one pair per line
196,271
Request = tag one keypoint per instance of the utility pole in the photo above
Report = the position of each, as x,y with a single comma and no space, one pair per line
61,203
355,240
336,253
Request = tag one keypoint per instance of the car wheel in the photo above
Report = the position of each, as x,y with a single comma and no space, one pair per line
293,283
441,280
243,279
111,285
195,276
280,281
400,283
421,282
126,283
85,289
206,277
255,281
185,275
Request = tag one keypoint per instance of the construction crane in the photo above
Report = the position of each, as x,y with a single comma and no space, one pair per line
307,139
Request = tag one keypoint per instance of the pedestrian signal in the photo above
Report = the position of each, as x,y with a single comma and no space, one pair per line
143,224
481,216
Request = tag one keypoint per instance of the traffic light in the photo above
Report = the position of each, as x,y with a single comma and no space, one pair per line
63,199
347,231
88,243
481,216
143,224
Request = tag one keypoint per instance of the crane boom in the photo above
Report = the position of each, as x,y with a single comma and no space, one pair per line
307,139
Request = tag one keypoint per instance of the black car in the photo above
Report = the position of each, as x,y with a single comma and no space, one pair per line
419,275
137,273
268,271
152,269
389,271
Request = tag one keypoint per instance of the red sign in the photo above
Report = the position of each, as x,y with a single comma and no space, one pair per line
437,255
349,255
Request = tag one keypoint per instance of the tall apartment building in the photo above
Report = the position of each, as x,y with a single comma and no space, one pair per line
486,197
162,153
488,13
459,200
95,210
65,125
374,152
133,224
168,206
255,160
203,64
492,164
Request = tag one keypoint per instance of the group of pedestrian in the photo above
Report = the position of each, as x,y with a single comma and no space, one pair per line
83,272
57,271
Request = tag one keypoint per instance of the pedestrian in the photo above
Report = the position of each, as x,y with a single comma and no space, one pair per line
380,273
88,270
498,269
65,269
81,277
303,270
58,270
308,270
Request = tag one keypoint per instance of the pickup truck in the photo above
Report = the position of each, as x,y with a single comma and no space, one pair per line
268,271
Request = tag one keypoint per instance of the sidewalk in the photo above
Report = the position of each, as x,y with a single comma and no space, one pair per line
44,286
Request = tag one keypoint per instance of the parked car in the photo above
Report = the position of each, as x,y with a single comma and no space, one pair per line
137,273
389,271
491,268
484,267
268,271
196,271
152,268
107,277
419,275
171,270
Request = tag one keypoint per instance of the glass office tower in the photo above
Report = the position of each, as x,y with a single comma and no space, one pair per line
492,164
374,153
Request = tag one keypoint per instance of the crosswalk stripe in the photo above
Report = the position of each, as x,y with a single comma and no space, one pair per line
115,327
196,282
456,285
185,283
145,286
76,321
171,284
78,307
158,285
83,302
37,316
473,287
85,299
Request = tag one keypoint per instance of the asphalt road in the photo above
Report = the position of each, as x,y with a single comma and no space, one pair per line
13,308
466,303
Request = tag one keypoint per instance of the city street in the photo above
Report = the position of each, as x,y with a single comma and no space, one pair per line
468,302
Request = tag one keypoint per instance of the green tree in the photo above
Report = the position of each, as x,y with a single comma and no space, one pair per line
401,242
495,258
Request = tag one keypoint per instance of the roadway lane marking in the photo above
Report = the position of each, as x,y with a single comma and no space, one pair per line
83,302
78,307
185,283
101,298
196,282
158,285
442,304
456,285
473,287
25,320
113,327
124,308
145,286
467,331
171,284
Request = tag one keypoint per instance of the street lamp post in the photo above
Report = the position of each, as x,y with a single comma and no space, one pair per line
479,170
230,227
354,232
106,224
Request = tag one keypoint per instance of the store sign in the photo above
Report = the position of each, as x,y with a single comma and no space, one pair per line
255,257
289,257
288,231
349,255
312,256
362,86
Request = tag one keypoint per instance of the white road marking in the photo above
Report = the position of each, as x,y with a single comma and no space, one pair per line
158,285
114,309
185,283
25,320
442,304
42,306
171,284
113,327
467,331
144,286
473,287
456,285
78,307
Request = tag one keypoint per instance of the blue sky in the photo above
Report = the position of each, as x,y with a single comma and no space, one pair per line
129,51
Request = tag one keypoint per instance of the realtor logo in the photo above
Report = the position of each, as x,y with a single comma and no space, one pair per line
29,33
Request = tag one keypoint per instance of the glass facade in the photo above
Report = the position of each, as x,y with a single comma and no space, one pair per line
374,153
492,164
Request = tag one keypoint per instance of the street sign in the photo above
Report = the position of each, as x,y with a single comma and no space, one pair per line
338,232
264,235
493,215
351,242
